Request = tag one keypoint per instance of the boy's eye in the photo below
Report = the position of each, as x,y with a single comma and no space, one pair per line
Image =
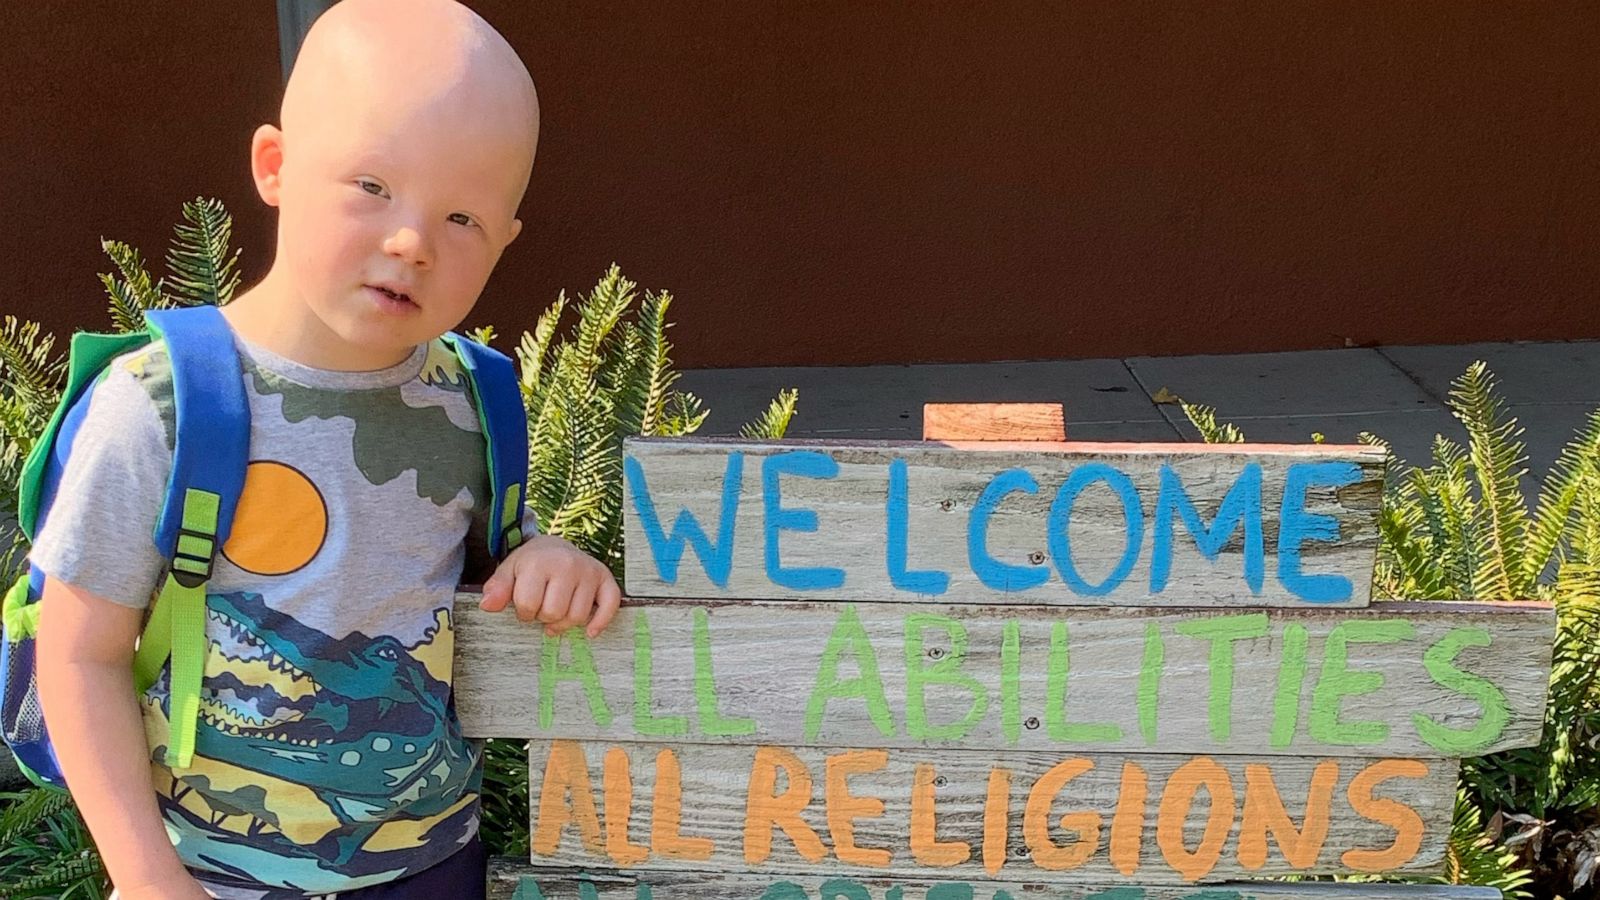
371,187
462,219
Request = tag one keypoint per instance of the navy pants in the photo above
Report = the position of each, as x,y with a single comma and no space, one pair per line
464,875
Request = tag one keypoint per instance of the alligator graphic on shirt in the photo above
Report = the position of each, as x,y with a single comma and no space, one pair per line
322,750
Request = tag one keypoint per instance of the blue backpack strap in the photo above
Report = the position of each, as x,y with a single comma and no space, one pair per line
210,454
498,392
212,446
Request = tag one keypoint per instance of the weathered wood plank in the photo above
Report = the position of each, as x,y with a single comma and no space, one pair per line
1040,523
1286,681
993,422
507,875
964,815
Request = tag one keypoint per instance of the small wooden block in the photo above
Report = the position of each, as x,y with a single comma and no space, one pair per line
993,422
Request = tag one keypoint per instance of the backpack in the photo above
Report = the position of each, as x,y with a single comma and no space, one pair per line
210,454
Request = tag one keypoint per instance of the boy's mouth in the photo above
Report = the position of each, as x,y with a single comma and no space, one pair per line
392,295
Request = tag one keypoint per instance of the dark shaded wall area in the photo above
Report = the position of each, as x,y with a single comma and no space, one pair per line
851,182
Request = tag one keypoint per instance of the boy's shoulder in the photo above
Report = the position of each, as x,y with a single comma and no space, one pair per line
142,373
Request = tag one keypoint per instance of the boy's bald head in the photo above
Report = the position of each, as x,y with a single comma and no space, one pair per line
404,149
411,64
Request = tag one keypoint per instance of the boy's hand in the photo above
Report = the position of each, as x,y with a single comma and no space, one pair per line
553,582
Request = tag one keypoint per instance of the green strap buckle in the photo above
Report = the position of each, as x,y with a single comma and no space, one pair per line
196,553
510,531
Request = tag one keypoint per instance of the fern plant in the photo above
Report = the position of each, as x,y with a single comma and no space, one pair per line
45,850
1461,527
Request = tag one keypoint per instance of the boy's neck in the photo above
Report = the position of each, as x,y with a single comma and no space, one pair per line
267,317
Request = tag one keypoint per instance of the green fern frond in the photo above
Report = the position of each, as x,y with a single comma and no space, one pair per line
1450,512
126,315
30,368
1473,857
684,415
203,272
775,421
622,377
85,872
658,376
1498,461
13,557
1204,419
23,817
1574,470
600,312
552,453
131,291
1406,566
534,346
576,470
483,334
1394,466
32,377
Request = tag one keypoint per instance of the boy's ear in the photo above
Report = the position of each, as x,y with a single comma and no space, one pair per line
266,163
516,229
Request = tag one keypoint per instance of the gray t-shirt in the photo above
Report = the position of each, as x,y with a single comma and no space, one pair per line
328,755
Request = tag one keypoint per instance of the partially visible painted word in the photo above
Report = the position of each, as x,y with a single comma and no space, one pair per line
874,889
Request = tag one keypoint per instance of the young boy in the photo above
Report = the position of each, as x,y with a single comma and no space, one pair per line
328,757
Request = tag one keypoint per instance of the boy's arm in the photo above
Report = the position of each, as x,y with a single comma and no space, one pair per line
85,675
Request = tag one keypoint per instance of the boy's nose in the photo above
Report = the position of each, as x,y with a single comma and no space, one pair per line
408,244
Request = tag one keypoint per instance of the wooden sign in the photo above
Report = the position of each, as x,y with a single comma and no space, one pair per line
1392,679
947,671
1025,523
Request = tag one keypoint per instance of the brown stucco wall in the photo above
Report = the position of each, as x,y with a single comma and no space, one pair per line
116,113
849,182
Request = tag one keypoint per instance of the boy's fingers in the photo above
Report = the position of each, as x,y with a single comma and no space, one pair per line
557,597
496,594
528,594
582,603
606,606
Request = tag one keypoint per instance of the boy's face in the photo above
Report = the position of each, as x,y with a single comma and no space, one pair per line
393,215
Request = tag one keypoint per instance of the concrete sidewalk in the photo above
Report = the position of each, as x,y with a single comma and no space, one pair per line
1397,393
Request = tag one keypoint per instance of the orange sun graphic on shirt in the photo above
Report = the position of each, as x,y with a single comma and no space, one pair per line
281,521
